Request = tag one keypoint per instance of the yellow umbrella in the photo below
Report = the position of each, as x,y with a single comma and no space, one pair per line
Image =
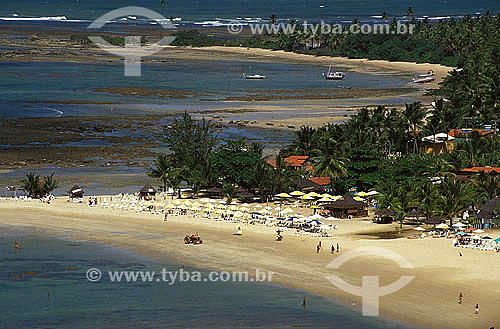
307,197
314,194
297,193
187,203
326,195
443,226
325,199
283,195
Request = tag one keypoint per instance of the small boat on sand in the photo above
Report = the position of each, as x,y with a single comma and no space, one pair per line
425,78
333,75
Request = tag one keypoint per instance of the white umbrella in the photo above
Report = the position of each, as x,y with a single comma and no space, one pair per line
478,231
419,228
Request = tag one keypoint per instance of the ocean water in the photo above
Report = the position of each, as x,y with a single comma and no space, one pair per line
44,285
210,10
26,86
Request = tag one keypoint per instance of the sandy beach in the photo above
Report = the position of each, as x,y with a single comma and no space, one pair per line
429,301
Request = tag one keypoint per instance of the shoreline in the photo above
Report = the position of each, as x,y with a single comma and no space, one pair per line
438,276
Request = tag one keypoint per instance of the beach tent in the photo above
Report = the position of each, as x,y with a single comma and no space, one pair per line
76,192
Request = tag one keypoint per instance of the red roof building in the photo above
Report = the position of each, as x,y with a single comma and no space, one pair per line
323,181
477,170
295,161
463,133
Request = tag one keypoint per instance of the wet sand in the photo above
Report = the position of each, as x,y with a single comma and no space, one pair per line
429,301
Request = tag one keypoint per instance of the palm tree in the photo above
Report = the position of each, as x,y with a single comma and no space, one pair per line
162,170
415,118
427,195
487,186
409,12
282,174
273,19
331,166
385,16
31,185
455,196
229,190
304,138
261,178
49,184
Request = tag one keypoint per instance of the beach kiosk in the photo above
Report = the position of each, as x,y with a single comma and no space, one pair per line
348,207
75,193
148,192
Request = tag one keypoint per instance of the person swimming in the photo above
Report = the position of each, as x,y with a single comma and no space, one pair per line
16,245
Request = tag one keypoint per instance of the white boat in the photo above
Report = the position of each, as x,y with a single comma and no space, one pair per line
425,78
251,76
330,75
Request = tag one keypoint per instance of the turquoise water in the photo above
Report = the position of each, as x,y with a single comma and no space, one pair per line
24,84
58,295
197,10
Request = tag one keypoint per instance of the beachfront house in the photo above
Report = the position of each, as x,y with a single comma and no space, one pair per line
465,135
437,144
295,161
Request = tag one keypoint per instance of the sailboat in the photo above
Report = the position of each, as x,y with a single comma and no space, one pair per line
251,76
331,75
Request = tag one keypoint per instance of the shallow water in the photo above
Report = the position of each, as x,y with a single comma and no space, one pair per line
26,83
44,285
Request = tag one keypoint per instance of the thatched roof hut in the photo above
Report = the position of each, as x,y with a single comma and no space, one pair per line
75,192
434,221
347,206
384,216
147,192
488,210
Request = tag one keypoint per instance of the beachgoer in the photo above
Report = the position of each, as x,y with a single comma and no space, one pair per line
320,243
477,309
318,248
304,302
333,249
460,298
165,217
338,247
16,246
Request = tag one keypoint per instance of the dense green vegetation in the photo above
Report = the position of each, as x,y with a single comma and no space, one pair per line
39,187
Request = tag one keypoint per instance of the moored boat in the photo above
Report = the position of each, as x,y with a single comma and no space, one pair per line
333,75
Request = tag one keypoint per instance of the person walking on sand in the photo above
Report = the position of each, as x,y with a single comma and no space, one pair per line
477,309
165,218
338,247
460,298
320,243
333,249
318,248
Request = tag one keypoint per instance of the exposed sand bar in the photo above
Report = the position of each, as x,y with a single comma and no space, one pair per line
429,301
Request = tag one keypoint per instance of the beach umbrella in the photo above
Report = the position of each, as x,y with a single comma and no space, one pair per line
443,226
325,199
478,231
314,194
419,228
297,193
177,202
287,211
238,214
234,202
212,201
245,205
222,201
459,225
268,208
461,233
476,237
314,207
196,204
326,195
205,200
171,206
244,209
486,238
314,222
283,195
233,208
257,206
187,203
307,197
497,240
357,198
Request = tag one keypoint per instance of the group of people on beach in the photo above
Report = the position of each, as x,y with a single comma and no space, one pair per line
319,247
92,201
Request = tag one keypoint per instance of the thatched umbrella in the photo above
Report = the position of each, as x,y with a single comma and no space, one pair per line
75,192
147,191
346,206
